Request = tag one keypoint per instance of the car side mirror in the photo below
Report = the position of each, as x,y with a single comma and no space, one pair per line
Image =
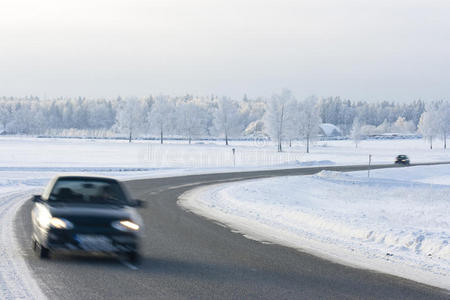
138,203
36,198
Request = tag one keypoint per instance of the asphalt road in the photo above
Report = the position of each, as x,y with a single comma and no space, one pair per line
186,256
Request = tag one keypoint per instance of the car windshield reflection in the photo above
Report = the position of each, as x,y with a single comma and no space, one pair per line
83,191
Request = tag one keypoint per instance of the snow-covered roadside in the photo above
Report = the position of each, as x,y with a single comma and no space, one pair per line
16,281
395,222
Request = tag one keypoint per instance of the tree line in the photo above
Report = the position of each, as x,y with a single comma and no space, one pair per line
281,117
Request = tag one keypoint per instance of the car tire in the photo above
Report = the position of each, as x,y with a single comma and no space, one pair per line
43,252
34,245
133,257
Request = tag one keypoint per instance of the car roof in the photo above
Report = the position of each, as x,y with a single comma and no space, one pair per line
84,177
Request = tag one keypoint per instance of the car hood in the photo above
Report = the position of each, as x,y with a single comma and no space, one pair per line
94,211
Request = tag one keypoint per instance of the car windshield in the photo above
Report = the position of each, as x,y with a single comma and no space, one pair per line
87,191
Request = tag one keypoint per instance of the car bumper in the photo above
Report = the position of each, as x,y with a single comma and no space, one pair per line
111,242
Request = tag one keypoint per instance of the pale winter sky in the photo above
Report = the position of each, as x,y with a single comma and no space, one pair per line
357,49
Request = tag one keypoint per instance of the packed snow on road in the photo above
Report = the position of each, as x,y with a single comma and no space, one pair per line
396,221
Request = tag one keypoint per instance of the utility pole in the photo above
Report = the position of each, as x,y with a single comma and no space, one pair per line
234,157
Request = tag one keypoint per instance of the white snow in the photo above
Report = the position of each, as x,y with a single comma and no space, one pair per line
396,222
330,129
26,165
16,281
71,153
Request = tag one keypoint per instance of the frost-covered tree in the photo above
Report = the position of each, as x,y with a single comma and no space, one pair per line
403,126
6,115
146,111
413,111
101,114
355,132
55,115
162,116
368,130
67,115
383,127
26,118
429,126
129,117
191,120
276,116
60,115
292,120
81,113
19,123
227,119
443,121
309,119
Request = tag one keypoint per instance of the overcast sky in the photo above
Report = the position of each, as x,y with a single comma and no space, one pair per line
361,50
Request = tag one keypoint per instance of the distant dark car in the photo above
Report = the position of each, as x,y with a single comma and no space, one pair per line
402,160
86,214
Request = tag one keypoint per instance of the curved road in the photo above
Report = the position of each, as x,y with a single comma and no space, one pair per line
189,257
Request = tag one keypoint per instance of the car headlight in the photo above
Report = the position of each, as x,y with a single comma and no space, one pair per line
60,223
125,225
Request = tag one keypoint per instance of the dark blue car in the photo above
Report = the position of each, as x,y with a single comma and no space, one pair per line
402,160
86,214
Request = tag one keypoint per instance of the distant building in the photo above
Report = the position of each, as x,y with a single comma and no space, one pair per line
254,129
329,130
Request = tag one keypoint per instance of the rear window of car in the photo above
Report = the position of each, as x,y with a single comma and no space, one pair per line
89,191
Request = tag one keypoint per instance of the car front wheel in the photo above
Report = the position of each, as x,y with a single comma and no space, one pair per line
34,245
133,256
40,250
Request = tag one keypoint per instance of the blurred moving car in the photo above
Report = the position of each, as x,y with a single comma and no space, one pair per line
402,160
87,214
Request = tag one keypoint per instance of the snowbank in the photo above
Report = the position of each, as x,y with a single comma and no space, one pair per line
16,281
396,222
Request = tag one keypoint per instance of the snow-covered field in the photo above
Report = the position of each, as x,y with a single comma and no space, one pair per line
78,154
26,165
397,221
